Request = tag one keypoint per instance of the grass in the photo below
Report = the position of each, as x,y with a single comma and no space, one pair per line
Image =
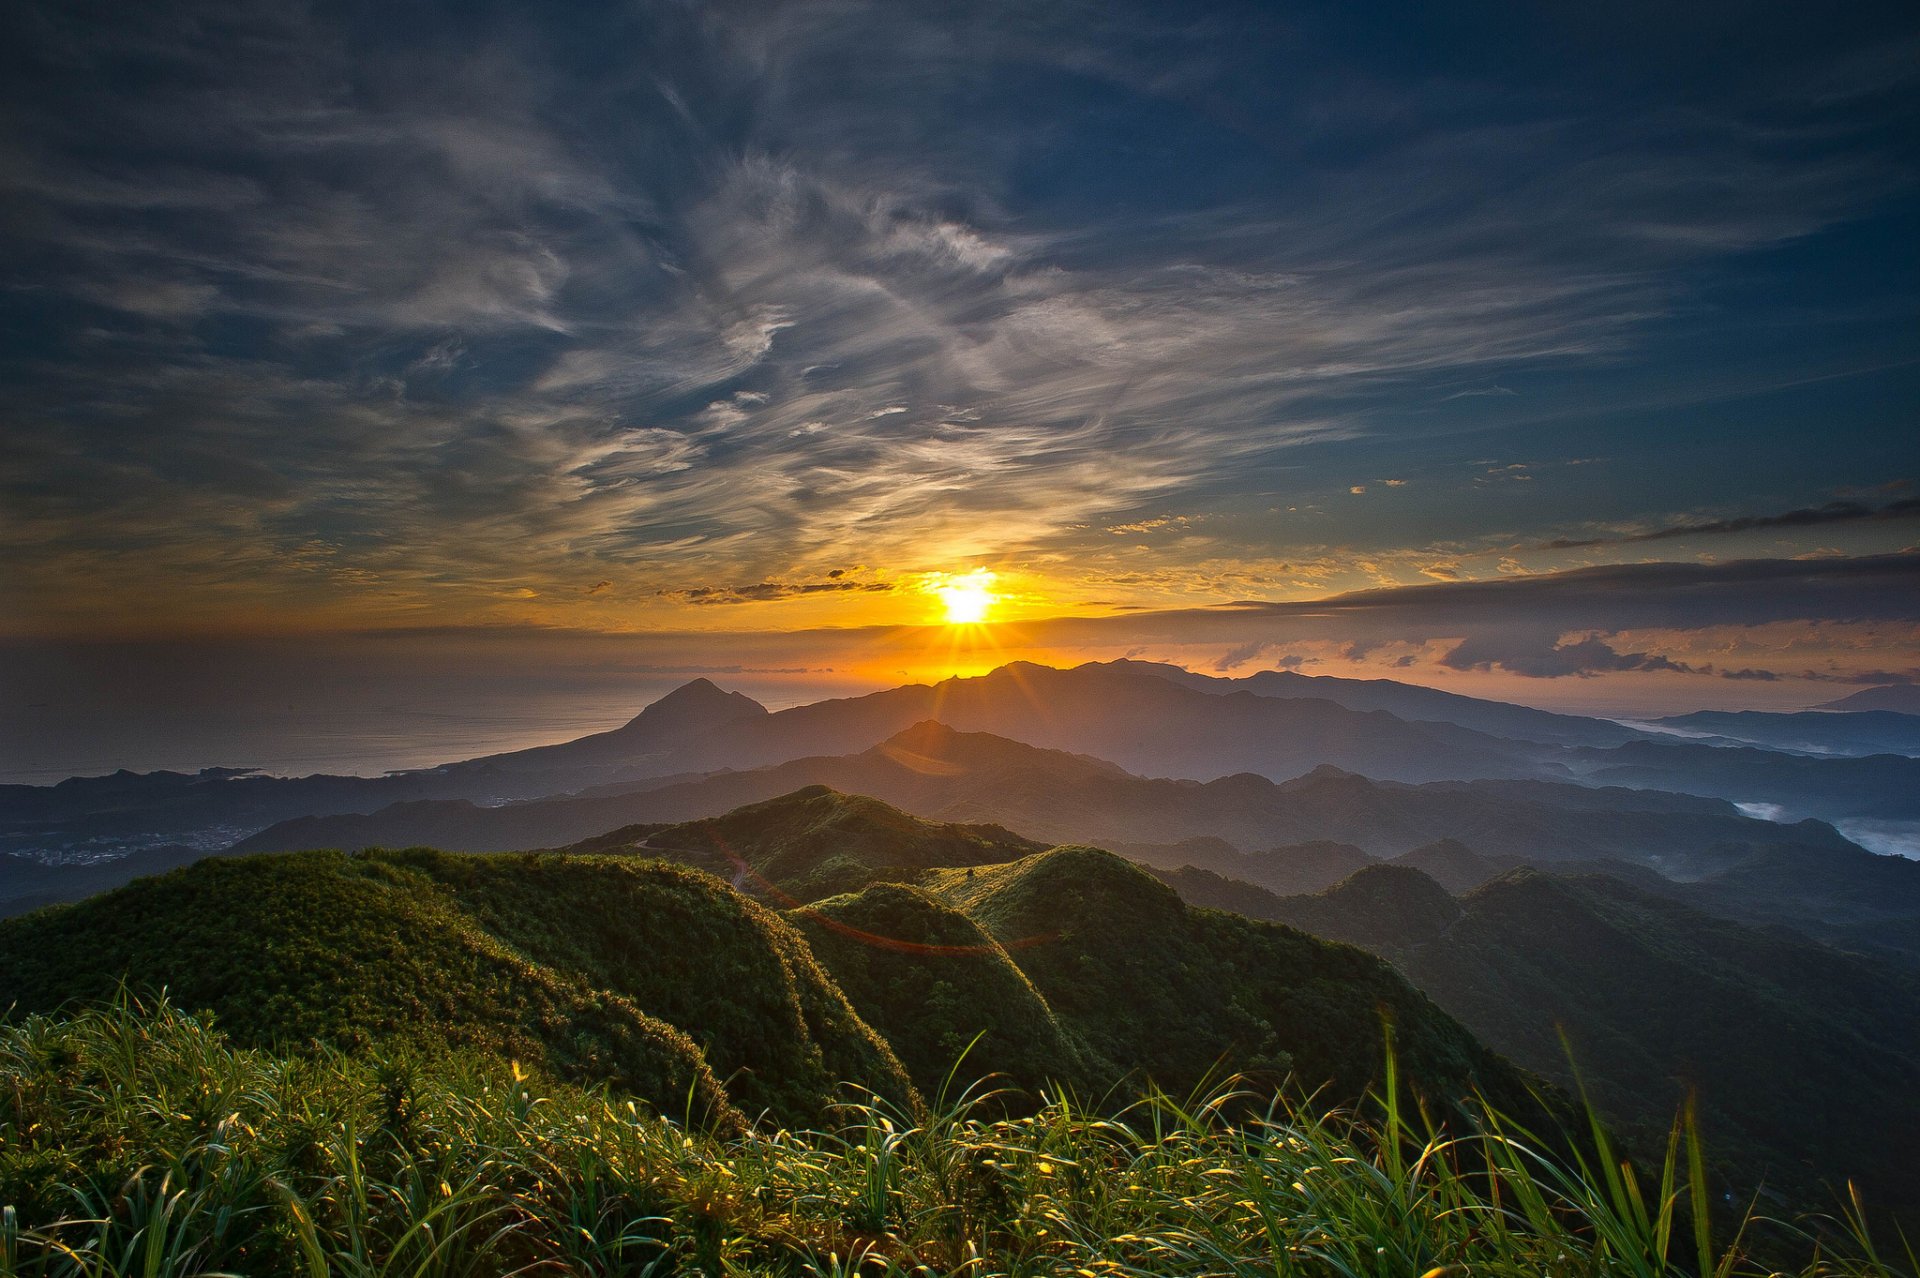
135,1139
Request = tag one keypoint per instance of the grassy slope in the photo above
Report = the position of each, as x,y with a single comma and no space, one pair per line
581,965
735,976
1151,985
138,1142
816,842
930,979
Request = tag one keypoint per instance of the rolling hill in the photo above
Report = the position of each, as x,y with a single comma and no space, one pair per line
655,977
1801,1054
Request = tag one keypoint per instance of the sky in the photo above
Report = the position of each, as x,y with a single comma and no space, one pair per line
1567,353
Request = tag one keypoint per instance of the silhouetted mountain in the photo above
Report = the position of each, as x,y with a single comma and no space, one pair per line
1903,698
644,745
936,772
1132,716
1152,720
1412,702
1810,731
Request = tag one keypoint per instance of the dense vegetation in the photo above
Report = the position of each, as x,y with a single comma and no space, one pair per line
1056,968
659,978
137,1140
1802,1055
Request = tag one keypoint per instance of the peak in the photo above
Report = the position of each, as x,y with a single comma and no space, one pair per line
697,690
699,703
934,739
1325,774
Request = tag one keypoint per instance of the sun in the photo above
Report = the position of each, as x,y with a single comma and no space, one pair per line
967,596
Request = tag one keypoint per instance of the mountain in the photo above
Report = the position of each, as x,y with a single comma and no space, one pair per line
1290,869
649,977
816,842
1452,864
1903,698
1129,714
936,985
1876,787
1801,1054
656,977
1148,719
346,950
643,745
1819,882
1807,732
1148,984
1412,702
935,771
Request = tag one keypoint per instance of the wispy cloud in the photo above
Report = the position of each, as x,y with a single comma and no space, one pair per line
329,321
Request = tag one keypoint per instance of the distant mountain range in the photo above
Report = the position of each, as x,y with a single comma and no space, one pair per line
1151,720
1808,732
1901,697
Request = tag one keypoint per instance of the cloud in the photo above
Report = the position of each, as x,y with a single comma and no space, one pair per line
1546,625
765,591
1234,658
333,324
1542,656
1834,512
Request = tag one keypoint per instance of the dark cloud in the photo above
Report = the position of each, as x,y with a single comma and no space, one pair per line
763,591
1549,624
1547,657
1834,512
1234,658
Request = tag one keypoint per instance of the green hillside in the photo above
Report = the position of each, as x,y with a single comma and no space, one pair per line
1800,1054
583,966
1151,985
817,842
1137,983
930,979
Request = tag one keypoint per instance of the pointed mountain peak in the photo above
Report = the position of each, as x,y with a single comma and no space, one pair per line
698,704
